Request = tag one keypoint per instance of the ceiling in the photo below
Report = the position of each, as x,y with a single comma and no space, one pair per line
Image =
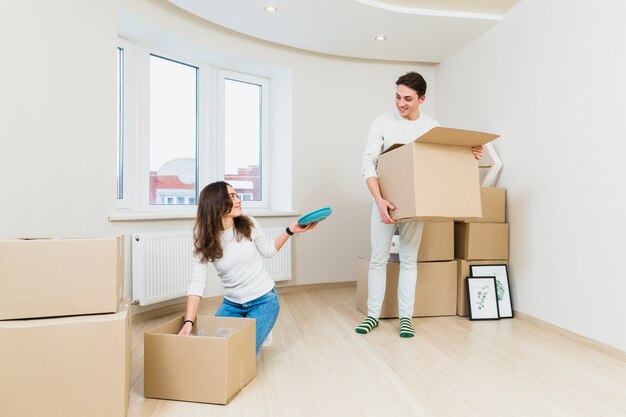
415,30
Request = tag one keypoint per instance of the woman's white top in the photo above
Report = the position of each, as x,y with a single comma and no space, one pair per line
387,129
241,267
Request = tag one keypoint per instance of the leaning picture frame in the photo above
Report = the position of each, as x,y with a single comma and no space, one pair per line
482,298
503,290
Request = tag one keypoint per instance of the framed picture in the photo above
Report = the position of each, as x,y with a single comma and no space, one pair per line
502,286
482,299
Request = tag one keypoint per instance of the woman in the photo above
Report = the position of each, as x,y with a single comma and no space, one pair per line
234,244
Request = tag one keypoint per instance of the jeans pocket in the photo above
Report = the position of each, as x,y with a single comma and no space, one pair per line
270,295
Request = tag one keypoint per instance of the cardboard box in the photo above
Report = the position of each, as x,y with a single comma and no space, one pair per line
434,177
463,271
493,202
204,369
476,241
435,291
60,277
437,243
71,366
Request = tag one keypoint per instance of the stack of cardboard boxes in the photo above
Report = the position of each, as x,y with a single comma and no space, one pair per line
64,329
482,241
435,291
435,179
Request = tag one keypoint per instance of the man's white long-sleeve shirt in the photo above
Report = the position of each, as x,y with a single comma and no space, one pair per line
387,129
240,269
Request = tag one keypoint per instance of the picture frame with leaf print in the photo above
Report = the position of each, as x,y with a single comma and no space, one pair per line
482,298
503,290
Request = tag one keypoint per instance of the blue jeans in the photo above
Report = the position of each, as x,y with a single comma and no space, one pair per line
263,309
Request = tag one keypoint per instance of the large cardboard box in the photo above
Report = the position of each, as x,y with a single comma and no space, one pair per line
437,243
70,366
206,369
60,277
493,203
475,241
463,271
434,177
435,291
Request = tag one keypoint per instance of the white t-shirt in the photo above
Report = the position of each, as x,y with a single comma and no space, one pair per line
240,269
387,129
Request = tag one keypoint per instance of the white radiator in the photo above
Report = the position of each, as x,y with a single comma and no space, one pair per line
279,266
161,264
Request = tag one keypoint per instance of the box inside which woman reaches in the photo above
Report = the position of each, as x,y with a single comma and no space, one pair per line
210,366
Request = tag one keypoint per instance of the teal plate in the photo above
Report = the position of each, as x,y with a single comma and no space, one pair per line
315,216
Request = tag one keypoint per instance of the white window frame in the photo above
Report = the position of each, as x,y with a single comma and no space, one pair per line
222,76
137,129
120,165
129,126
142,191
210,146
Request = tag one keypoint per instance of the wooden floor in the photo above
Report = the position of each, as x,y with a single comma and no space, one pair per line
318,366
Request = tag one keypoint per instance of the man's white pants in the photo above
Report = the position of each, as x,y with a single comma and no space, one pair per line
381,236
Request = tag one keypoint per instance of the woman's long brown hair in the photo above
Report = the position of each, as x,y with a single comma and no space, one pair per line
213,203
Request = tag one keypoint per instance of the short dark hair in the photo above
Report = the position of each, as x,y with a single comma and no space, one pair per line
414,81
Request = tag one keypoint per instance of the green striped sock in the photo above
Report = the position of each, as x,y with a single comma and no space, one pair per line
406,329
368,324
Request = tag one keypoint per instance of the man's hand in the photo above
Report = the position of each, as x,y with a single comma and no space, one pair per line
477,151
383,208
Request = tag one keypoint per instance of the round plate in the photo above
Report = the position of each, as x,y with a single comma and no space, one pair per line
315,216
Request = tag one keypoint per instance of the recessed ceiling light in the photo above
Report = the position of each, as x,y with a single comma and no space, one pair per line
270,9
380,38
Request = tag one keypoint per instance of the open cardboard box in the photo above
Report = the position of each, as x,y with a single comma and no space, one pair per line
206,369
435,177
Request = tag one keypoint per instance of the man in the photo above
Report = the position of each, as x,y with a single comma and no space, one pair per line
403,125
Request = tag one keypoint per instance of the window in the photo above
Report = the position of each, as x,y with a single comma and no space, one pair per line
242,129
184,122
120,123
173,130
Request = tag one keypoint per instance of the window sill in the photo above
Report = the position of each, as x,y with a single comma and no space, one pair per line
142,216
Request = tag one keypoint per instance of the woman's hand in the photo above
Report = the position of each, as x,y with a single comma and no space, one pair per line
186,329
293,228
296,228
477,151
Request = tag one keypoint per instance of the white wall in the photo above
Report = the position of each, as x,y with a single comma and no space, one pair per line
550,80
57,113
59,127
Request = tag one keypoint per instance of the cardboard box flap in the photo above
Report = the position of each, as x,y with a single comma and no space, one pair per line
450,136
392,147
459,137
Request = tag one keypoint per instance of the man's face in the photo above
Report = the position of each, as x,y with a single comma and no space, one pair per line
407,102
